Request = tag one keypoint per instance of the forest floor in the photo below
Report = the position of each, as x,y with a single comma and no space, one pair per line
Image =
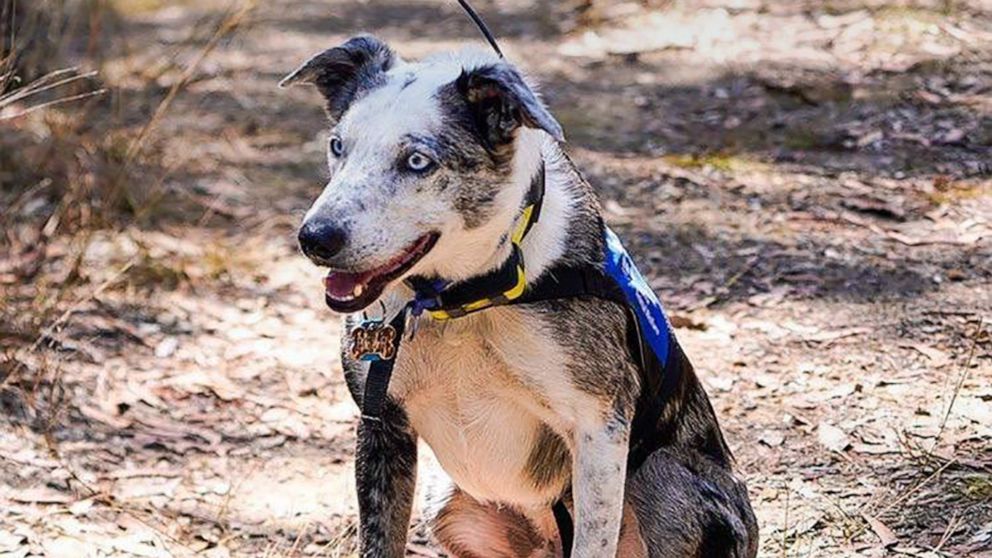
806,184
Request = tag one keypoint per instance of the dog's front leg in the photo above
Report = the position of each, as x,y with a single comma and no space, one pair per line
386,471
599,472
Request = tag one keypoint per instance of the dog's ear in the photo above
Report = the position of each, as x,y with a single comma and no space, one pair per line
342,72
501,101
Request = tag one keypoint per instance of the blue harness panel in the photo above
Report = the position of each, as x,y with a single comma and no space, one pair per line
654,325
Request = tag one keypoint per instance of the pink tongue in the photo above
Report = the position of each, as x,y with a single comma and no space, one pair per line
339,284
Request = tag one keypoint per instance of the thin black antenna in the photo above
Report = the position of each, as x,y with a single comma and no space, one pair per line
482,26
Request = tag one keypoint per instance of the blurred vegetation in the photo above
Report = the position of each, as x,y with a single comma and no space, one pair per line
51,161
87,164
78,152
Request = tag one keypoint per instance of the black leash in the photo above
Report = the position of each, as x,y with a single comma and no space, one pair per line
481,25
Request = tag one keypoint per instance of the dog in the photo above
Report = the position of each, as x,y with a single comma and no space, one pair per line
526,406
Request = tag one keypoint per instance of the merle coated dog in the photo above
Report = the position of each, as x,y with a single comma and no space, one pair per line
526,406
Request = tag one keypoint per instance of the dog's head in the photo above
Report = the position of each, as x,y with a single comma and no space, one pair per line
429,163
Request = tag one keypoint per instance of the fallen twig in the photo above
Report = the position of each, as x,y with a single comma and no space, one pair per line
917,488
965,372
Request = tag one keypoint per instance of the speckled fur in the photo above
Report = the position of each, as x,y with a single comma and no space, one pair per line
523,405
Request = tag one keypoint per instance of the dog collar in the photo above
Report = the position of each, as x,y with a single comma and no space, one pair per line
377,341
444,301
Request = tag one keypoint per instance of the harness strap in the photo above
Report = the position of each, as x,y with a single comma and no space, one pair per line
507,282
500,286
658,381
380,372
566,529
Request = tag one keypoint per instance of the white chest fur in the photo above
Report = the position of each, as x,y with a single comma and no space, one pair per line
478,390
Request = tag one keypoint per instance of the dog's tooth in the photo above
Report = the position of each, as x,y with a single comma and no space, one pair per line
359,289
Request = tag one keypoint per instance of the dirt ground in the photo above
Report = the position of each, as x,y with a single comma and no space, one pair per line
807,185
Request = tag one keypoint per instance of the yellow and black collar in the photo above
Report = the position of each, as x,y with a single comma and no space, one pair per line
500,286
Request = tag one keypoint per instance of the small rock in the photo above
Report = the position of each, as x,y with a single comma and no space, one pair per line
81,508
766,381
167,347
771,438
721,383
832,438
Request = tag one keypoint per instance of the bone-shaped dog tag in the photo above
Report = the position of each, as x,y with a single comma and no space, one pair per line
373,340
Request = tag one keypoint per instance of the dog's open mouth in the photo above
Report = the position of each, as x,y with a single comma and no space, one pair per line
346,291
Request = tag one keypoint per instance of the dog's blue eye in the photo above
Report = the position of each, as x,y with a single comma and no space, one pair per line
337,147
419,162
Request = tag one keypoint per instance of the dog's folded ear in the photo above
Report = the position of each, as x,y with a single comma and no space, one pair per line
501,101
343,72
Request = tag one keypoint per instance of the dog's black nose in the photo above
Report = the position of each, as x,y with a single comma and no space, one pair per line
321,240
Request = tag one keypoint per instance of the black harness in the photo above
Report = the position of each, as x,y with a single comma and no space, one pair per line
379,342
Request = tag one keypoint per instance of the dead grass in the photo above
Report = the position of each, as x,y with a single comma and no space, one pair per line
67,171
69,167
53,81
